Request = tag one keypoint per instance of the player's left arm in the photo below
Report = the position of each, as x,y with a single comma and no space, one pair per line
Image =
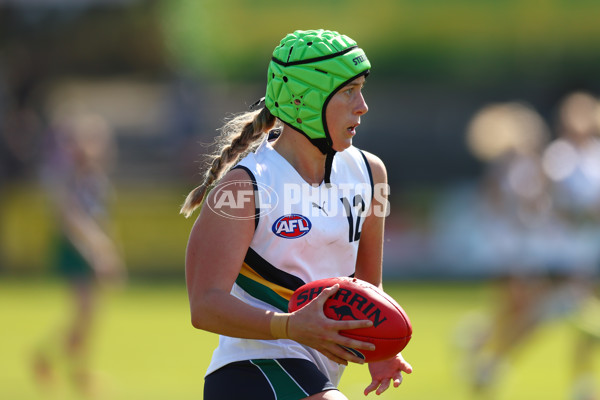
370,250
369,268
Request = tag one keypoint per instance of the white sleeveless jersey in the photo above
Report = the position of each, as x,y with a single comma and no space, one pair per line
303,233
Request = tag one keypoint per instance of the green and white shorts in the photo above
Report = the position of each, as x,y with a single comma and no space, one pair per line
266,379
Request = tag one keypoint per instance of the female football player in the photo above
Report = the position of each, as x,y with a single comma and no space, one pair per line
288,200
86,252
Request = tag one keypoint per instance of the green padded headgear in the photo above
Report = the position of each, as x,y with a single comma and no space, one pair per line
306,70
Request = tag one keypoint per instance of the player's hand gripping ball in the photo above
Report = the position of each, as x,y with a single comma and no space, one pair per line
357,299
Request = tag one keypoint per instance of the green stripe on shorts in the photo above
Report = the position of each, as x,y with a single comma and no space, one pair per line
284,386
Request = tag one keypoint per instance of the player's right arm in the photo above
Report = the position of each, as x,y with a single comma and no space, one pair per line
216,249
90,239
215,252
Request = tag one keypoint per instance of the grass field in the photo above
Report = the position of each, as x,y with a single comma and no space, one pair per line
145,347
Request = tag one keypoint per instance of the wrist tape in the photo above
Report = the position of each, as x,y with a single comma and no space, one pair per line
279,325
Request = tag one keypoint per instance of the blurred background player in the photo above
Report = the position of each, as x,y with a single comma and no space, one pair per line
81,152
516,221
572,162
541,248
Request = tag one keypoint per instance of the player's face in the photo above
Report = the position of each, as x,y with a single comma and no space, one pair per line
343,113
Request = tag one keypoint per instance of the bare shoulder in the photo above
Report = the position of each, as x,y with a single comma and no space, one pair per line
377,167
233,195
236,174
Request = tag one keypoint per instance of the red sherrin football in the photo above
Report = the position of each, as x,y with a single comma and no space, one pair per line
357,299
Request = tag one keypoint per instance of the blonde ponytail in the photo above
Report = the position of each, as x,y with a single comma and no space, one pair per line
238,136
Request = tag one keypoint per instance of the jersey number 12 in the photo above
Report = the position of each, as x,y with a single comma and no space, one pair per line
358,205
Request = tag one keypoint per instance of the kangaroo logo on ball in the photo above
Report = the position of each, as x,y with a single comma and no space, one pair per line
343,311
357,300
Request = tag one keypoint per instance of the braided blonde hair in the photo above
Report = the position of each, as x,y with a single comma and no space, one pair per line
238,136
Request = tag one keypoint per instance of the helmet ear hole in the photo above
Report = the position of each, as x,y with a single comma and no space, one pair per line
285,79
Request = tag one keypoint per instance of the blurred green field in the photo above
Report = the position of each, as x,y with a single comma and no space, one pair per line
145,347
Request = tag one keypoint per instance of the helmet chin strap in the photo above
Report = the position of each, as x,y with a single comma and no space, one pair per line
328,165
329,152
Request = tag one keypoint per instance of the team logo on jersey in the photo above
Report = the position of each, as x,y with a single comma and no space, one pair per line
291,226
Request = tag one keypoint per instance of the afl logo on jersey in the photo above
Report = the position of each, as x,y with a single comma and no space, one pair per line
291,226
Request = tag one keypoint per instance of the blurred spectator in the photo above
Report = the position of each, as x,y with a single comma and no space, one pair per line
75,174
20,122
572,161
